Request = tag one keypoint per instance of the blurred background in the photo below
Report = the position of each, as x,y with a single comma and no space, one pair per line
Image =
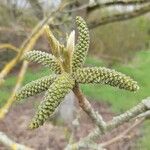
120,39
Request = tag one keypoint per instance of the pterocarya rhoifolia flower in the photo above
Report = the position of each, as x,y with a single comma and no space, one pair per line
67,65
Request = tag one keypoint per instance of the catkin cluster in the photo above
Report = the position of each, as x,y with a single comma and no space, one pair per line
62,81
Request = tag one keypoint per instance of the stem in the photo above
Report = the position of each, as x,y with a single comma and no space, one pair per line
86,106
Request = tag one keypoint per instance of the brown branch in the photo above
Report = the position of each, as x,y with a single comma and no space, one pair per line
86,106
120,17
99,5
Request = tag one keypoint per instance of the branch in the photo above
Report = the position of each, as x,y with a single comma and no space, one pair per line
125,117
9,46
28,46
139,119
4,139
130,114
120,17
146,115
98,5
141,108
86,106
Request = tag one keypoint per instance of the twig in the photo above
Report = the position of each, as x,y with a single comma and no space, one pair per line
9,46
142,107
4,139
130,114
9,66
125,117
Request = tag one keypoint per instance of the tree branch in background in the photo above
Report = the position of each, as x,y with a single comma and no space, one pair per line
143,8
98,5
26,46
120,17
8,46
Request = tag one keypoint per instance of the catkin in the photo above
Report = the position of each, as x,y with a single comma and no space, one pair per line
43,58
82,45
35,87
106,76
53,97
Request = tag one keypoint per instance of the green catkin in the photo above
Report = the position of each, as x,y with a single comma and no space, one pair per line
105,76
35,87
82,45
58,86
43,58
56,92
